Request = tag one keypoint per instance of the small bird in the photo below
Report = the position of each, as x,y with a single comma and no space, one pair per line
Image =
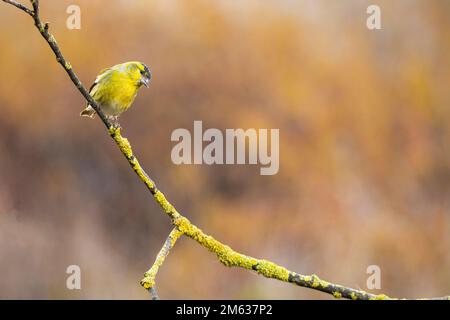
115,88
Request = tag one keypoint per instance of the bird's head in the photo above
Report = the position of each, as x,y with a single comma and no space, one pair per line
140,72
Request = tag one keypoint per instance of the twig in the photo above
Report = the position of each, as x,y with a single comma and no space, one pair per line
148,282
153,293
20,6
43,29
225,254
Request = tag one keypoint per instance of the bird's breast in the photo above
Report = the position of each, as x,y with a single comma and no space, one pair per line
117,96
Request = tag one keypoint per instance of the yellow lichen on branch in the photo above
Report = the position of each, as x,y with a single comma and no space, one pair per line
127,151
228,256
149,277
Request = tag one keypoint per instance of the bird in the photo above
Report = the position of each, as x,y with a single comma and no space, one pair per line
115,88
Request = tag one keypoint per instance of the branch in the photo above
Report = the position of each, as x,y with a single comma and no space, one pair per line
20,6
225,254
153,293
43,29
148,282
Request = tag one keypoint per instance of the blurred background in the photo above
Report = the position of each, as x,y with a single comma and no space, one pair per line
364,173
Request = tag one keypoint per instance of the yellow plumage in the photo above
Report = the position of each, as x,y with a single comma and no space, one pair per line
115,88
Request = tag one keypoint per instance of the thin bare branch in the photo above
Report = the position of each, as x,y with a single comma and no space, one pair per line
19,6
153,293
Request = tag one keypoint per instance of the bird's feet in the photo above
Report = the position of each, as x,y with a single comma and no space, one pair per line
114,121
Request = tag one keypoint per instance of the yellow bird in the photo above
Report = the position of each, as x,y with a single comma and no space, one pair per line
115,88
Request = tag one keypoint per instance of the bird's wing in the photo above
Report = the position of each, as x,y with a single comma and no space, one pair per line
92,87
99,78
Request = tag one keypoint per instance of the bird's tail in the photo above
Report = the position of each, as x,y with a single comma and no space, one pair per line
88,112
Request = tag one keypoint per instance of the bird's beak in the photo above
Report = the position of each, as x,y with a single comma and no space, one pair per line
145,81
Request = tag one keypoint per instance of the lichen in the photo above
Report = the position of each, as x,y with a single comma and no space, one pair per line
125,147
123,143
228,256
315,281
165,205
272,270
337,294
67,65
149,277
52,39
173,237
147,282
380,297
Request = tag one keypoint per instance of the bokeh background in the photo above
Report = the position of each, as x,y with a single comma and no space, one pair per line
364,173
